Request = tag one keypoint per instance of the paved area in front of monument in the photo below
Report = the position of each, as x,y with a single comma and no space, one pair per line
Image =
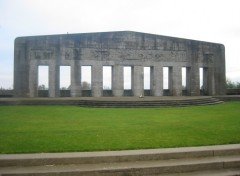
204,160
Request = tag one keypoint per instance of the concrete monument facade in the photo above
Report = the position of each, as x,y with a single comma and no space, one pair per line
119,49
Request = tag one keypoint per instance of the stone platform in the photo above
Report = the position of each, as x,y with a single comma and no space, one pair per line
223,160
134,102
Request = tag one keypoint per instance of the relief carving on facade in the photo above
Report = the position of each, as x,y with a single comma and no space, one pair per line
208,58
41,54
72,53
104,53
138,55
162,55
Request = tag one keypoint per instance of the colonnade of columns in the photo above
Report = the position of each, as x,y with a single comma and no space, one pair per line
156,80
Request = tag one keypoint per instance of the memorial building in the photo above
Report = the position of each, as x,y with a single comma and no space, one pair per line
118,50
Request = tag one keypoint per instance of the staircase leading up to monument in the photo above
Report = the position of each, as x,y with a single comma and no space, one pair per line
149,104
223,160
115,102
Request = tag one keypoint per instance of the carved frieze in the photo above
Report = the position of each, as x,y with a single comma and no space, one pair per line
208,58
44,54
102,52
153,55
72,53
138,55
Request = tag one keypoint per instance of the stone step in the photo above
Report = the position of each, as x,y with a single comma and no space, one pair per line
117,156
131,162
219,172
129,168
162,103
115,102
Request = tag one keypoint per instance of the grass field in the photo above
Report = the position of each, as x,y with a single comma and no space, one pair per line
29,129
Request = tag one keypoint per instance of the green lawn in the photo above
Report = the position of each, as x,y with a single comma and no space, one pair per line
28,129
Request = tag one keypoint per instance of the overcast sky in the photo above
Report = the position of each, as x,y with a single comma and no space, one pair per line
206,20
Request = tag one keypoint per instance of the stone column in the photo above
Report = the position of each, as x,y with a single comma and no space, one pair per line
156,76
195,81
117,80
54,82
33,79
193,56
76,80
205,81
211,82
22,64
97,80
188,80
177,81
137,81
170,80
208,81
218,70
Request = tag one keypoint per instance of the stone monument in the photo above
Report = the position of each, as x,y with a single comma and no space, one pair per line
119,49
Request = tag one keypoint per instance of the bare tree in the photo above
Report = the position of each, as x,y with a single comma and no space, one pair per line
42,87
65,88
106,88
232,85
86,86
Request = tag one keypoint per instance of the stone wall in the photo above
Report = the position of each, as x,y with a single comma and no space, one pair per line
233,92
6,93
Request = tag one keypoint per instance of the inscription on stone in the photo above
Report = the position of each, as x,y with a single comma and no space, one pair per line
208,58
119,49
72,53
41,54
140,55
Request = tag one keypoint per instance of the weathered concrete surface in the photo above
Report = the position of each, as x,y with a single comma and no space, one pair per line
187,160
228,97
115,102
118,49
